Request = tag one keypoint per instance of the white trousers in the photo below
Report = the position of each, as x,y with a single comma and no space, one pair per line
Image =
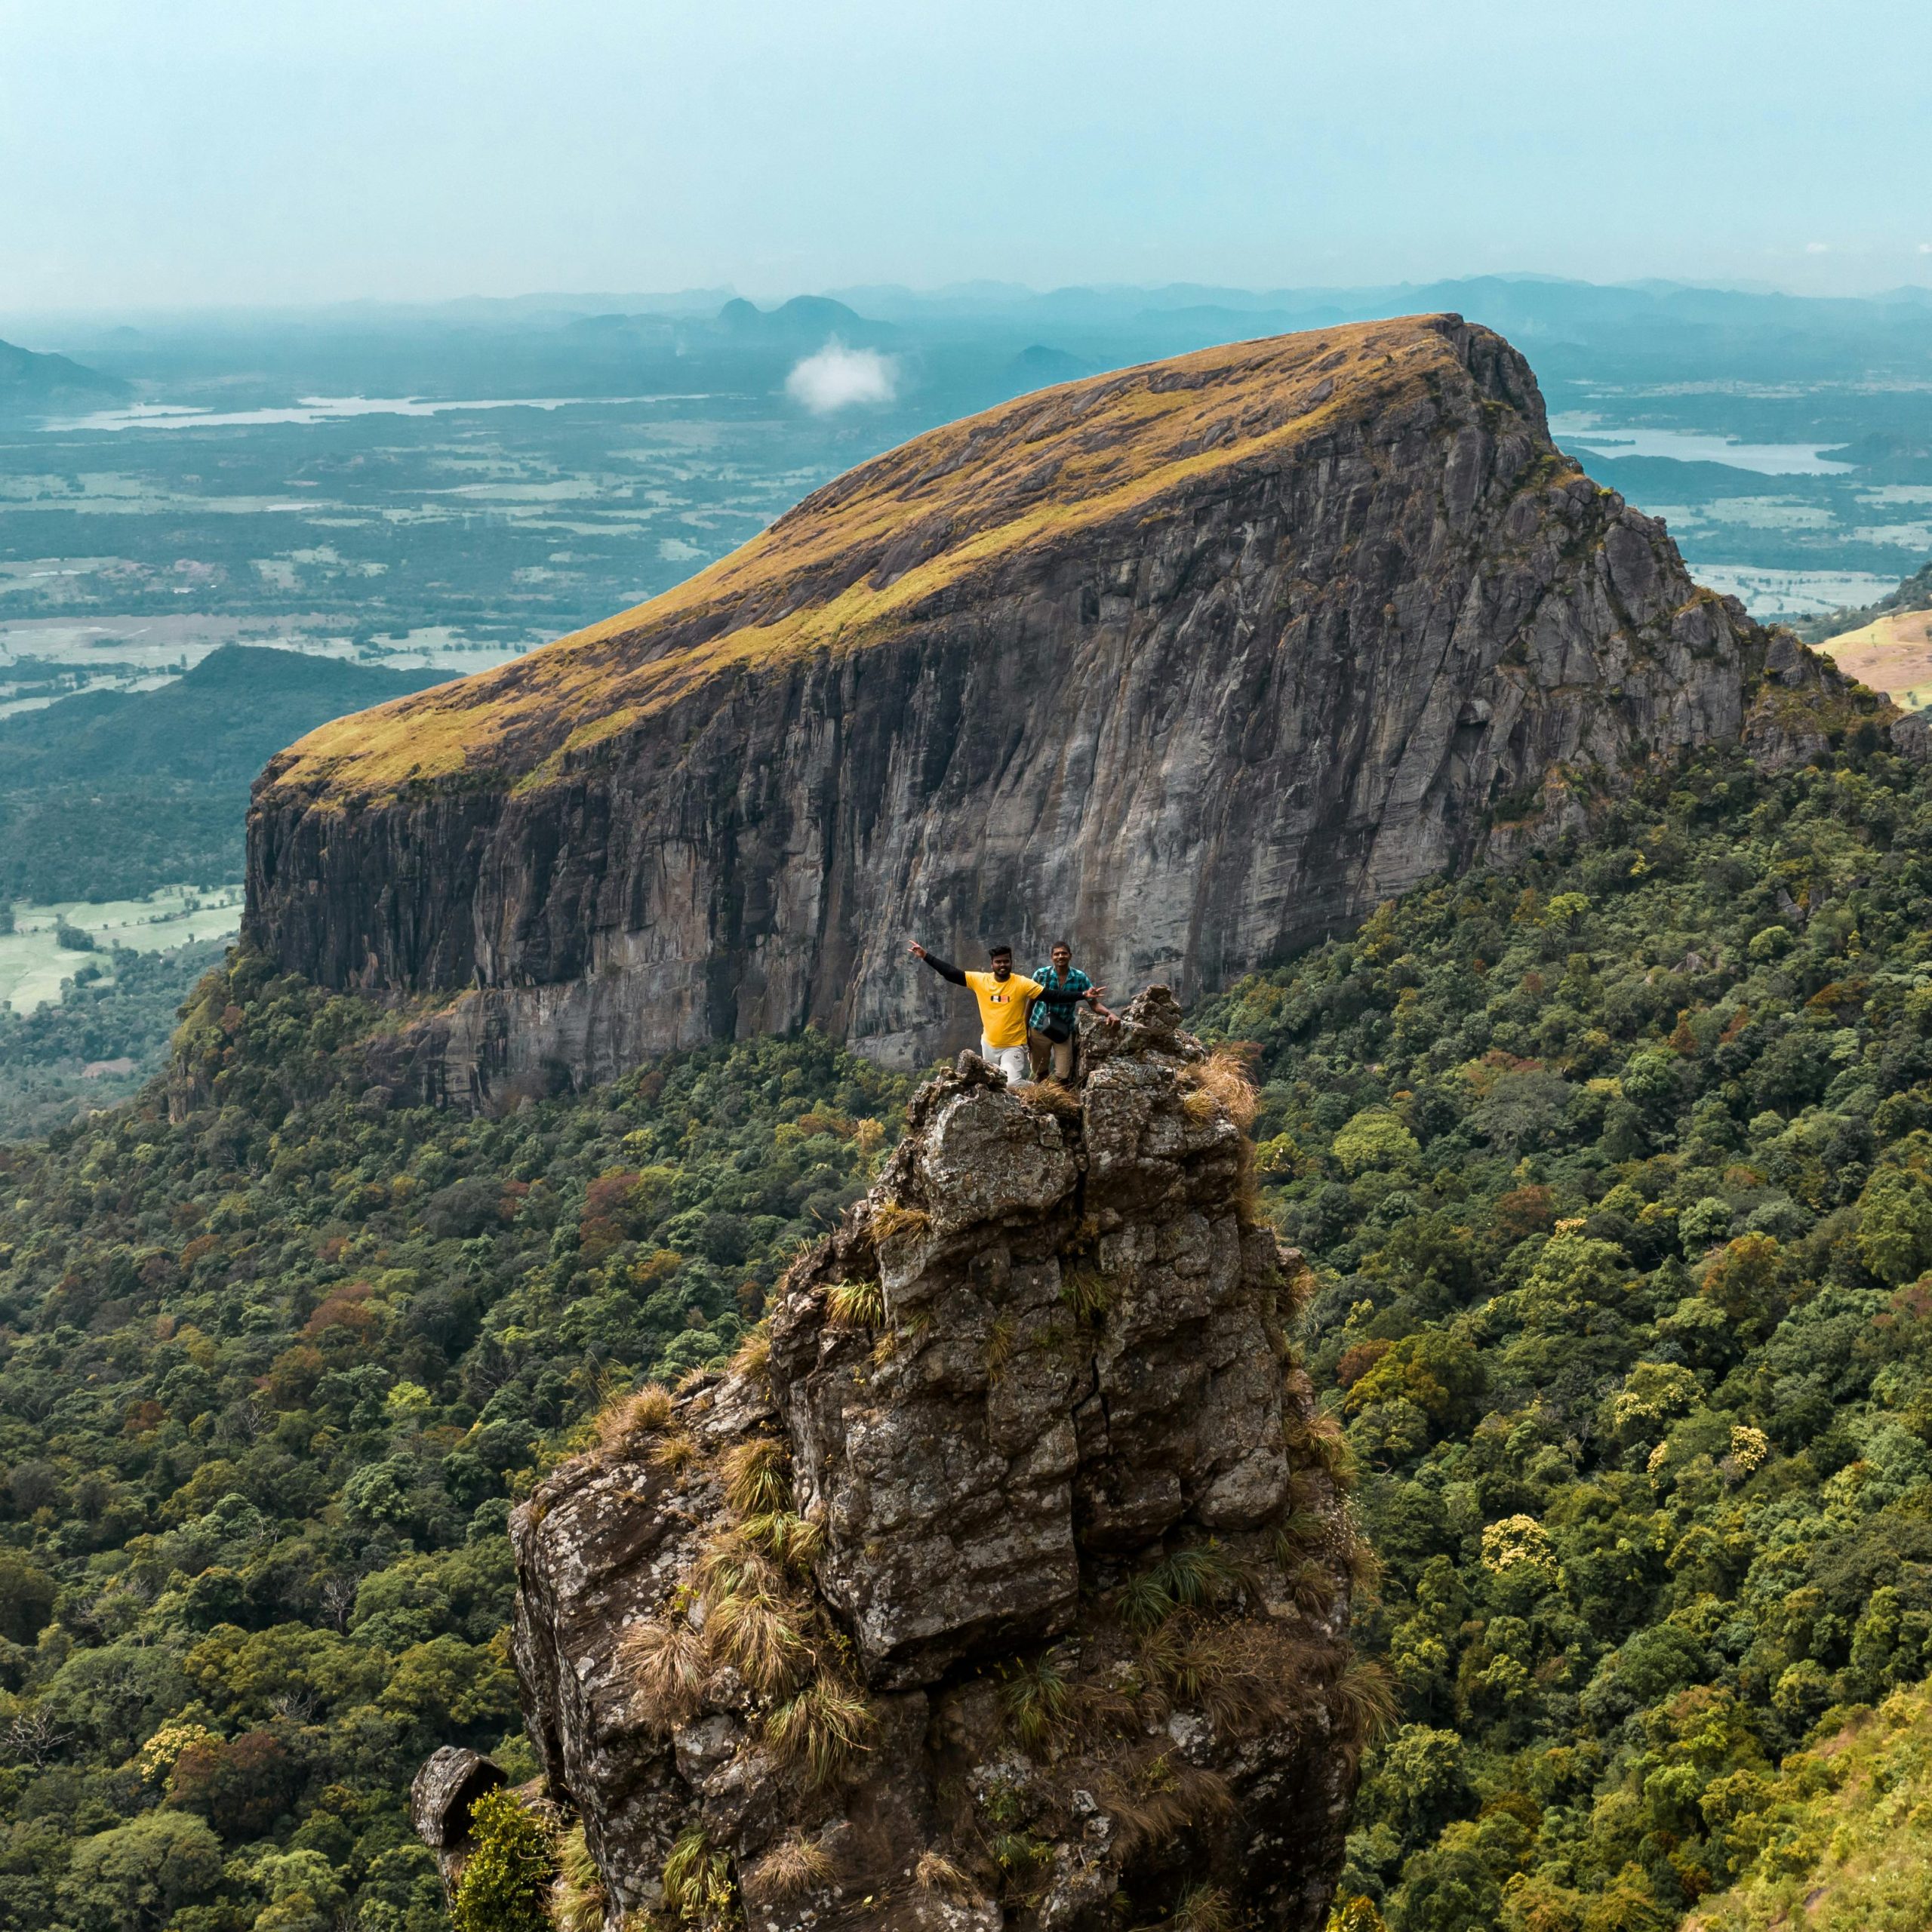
1011,1061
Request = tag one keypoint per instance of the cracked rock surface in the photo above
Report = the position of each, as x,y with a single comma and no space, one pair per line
1004,1587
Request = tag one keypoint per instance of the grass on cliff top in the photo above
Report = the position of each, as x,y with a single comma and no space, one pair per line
846,566
1892,654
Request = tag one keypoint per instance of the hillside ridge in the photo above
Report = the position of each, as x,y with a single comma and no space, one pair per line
871,547
1199,661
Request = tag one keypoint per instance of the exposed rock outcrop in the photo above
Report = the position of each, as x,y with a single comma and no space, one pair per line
1199,661
1005,1589
441,1799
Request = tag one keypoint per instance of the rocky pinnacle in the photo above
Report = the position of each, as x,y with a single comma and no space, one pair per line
1004,1585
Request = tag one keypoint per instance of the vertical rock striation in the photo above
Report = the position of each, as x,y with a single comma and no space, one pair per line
1200,661
1005,1589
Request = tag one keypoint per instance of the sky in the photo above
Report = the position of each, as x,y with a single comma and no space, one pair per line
249,152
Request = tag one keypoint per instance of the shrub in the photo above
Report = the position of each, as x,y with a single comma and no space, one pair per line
698,1886
1375,1138
855,1305
507,1877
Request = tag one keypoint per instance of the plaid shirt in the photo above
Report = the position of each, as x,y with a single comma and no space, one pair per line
1063,996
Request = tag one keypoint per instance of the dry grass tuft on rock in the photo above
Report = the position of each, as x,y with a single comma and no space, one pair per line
1225,1075
753,1359
1201,1908
792,1540
577,1898
673,1453
822,1728
698,1890
1311,1588
759,1636
758,1477
665,1668
860,1305
793,1868
1038,1699
1154,1800
893,1221
1086,1292
1201,1577
937,1874
1366,1702
731,1565
1049,1096
624,1426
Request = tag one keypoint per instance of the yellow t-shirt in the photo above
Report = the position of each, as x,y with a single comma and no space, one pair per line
1003,1005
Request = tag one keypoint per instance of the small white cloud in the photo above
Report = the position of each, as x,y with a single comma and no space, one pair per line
1925,247
1817,248
837,377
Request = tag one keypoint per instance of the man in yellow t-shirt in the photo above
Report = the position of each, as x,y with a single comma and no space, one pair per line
1003,997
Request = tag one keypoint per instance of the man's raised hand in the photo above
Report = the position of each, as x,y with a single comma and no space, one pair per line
918,951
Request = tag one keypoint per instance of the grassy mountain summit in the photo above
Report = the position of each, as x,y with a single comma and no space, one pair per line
855,558
1205,658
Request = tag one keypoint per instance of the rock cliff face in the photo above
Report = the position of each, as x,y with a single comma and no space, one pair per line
1005,1589
1195,662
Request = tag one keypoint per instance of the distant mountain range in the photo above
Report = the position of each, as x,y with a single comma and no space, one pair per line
805,322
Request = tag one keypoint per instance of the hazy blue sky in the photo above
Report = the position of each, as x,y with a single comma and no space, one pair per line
158,152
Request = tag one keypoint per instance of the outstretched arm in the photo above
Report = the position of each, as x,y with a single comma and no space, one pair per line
1092,997
938,965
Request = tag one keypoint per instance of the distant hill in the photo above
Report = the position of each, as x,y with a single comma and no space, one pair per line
1913,594
1888,644
806,321
36,385
220,723
1039,368
108,794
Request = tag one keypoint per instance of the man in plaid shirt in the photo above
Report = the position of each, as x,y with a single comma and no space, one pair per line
1051,1028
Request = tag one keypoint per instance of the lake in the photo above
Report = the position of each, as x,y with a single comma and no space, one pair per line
1584,435
331,409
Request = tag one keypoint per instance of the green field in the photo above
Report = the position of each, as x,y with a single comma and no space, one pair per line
34,964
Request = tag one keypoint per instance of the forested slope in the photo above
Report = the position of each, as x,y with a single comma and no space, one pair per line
110,794
270,1380
1614,1166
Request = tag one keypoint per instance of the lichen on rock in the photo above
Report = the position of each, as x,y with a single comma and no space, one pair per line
1003,1584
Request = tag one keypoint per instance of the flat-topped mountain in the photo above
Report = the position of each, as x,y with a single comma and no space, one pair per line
1195,663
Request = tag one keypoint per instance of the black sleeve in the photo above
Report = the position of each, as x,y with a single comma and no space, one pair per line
945,971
